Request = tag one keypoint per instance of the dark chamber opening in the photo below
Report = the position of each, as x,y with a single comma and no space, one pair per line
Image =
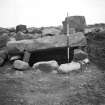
59,54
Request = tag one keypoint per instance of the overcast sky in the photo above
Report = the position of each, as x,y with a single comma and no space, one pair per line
40,13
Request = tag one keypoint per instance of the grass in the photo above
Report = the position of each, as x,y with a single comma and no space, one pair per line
38,88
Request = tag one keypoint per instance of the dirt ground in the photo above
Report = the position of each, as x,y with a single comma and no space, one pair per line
38,88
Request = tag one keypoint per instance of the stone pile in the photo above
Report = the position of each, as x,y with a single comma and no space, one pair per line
20,39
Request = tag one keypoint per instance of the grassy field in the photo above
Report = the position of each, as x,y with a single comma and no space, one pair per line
38,88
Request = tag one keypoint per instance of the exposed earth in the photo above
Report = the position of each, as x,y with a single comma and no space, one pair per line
38,88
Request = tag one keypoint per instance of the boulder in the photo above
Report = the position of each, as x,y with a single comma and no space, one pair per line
19,35
20,65
12,39
12,34
12,29
33,30
77,39
22,28
3,53
46,66
79,55
29,45
4,38
28,36
3,57
13,58
14,47
50,31
3,30
68,67
1,61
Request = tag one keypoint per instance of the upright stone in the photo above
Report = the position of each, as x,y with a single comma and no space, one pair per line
22,28
26,56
